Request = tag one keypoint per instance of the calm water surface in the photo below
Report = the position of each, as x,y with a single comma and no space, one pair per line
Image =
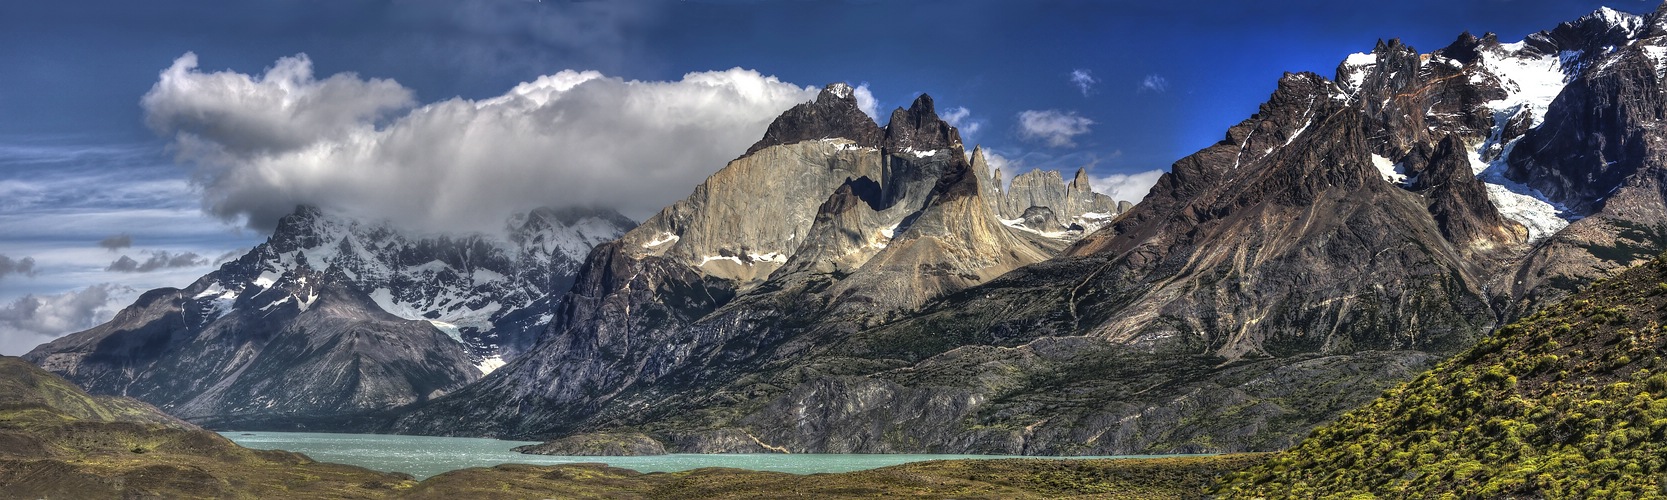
424,456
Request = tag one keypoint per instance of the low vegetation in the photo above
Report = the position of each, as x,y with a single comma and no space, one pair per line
1570,402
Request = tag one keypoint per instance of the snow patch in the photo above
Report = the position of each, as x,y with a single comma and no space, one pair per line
775,257
710,258
920,154
451,329
661,239
1658,56
489,364
1392,172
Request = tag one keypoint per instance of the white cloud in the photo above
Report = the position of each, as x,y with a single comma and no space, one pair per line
866,101
1084,80
1126,187
263,144
33,319
961,118
1052,127
1153,83
282,110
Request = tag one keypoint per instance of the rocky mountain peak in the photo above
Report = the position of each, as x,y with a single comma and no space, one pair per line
1592,35
920,129
834,113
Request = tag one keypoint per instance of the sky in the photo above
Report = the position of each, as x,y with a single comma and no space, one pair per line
144,143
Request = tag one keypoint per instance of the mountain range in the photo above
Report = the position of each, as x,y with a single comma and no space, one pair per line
847,287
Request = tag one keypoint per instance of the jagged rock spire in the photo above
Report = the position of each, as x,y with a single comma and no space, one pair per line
834,113
919,128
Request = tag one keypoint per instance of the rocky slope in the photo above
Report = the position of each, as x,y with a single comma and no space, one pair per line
1348,235
333,317
1569,402
829,222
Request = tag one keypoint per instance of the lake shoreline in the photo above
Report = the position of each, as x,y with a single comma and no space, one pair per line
428,456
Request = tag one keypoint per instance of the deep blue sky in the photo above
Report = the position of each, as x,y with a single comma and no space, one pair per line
78,164
78,68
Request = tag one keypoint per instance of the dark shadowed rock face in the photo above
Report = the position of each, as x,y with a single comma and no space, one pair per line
833,114
918,129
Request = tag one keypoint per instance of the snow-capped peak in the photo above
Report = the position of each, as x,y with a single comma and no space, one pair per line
467,285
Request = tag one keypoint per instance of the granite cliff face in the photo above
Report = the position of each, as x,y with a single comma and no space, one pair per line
791,242
1350,233
331,318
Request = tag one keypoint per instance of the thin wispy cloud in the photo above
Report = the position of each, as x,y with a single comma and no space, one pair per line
116,242
1154,83
1052,127
24,266
264,143
157,260
961,118
1084,80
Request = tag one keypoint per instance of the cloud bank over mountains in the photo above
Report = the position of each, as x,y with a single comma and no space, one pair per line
261,144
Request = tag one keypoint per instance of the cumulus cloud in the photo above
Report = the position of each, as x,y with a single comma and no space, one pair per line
1084,80
1153,83
866,101
1052,127
961,118
33,319
160,259
21,267
1126,187
116,242
263,144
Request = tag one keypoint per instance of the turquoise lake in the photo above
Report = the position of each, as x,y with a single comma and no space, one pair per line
424,456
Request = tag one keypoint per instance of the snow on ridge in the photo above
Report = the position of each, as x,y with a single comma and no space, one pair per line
1530,82
1357,64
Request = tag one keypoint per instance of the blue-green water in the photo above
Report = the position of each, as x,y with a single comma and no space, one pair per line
424,456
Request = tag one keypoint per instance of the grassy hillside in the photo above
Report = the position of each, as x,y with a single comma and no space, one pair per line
1570,402
56,441
1166,478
